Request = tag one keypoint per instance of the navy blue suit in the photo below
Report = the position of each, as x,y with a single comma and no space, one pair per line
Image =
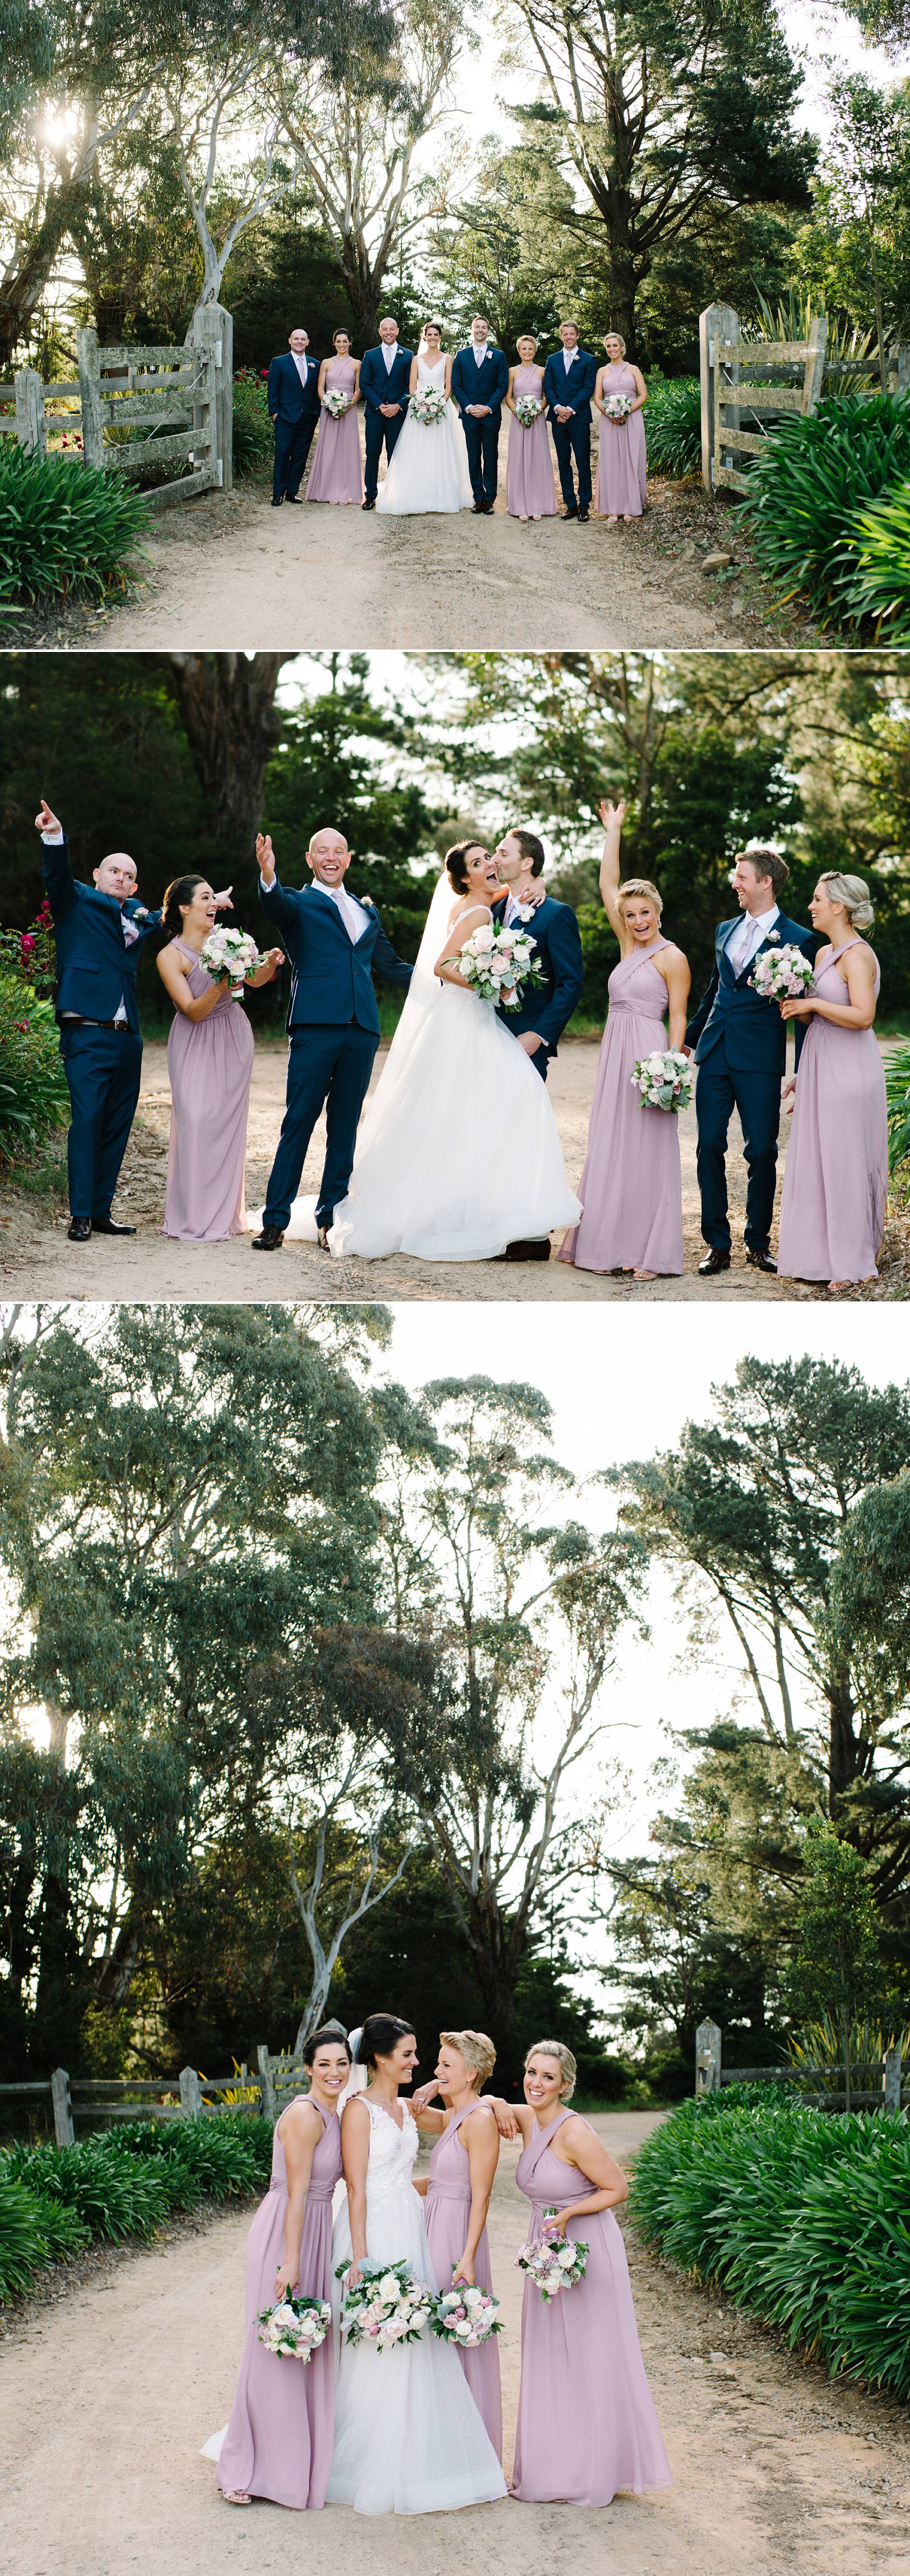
96,971
294,409
740,1044
488,384
333,1026
572,437
549,1005
382,384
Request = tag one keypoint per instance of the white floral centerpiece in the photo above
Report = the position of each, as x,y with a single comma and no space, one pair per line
429,405
618,406
554,2262
337,401
465,2317
527,409
386,2307
782,973
499,964
230,952
663,1079
295,2327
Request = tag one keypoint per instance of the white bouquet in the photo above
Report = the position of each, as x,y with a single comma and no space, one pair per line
618,406
465,2317
663,1079
499,963
387,2307
782,973
554,2262
337,401
527,409
230,952
429,405
295,2327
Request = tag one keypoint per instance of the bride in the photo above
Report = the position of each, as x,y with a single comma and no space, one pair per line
429,468
408,2436
458,1154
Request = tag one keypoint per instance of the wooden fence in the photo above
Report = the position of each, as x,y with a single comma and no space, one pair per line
780,376
105,2098
888,2091
181,399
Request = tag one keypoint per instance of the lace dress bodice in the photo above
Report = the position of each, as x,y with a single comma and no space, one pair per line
393,2153
427,375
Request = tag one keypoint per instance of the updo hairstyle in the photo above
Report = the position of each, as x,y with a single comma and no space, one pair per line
380,2036
641,886
564,2059
853,893
180,891
329,2037
454,862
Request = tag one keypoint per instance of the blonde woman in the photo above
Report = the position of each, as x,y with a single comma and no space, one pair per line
530,489
586,2420
337,474
429,470
631,1188
836,1178
621,468
462,2171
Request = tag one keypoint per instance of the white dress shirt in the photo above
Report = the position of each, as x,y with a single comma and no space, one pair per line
354,915
568,357
513,909
746,939
480,350
54,841
390,352
300,364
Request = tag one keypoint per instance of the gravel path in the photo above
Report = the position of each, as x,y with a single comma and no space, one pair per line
108,2395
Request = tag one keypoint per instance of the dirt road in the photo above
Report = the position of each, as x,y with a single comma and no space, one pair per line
234,573
108,2395
37,1261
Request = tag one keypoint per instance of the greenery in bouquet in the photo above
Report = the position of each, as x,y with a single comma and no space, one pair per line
553,2262
465,2317
295,2327
386,2306
663,1079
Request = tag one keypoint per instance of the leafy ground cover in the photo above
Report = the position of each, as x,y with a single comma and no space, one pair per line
118,2183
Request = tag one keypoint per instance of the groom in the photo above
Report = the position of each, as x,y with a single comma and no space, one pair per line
480,379
385,377
740,1049
292,393
569,378
539,1023
334,940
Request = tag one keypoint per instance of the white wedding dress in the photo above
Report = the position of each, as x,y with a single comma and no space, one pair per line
408,2436
429,468
458,1153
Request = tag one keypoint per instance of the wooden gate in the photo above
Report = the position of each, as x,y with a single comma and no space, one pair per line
759,380
180,397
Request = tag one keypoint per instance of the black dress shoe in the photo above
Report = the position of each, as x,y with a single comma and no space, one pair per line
488,509
270,1240
277,498
762,1261
293,500
716,1260
368,505
533,1248
322,1233
571,510
80,1230
478,509
584,516
107,1225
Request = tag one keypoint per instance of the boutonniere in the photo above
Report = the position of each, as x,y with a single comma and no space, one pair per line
524,912
773,940
141,912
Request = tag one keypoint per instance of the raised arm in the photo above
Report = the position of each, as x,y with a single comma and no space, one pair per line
300,2130
56,869
480,2136
271,895
461,931
613,818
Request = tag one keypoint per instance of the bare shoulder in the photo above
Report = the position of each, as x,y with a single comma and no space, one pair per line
301,2117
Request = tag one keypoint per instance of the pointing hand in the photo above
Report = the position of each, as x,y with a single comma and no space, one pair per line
46,821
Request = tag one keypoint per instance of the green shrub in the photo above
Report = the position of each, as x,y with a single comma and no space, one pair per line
64,528
875,565
812,479
897,1090
119,2183
800,2215
114,2196
253,436
34,2231
221,2156
672,420
33,1093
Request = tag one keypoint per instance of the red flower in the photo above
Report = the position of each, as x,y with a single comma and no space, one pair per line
22,1026
26,942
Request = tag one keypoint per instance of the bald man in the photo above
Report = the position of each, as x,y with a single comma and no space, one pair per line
336,943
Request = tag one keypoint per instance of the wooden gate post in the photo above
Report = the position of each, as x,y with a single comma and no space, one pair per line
891,2079
264,2065
90,396
718,322
190,2093
31,426
815,364
707,2059
212,333
64,2131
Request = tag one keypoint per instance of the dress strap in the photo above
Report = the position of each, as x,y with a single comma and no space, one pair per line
544,2136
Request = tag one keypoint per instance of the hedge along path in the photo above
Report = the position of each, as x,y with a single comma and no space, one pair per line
108,2395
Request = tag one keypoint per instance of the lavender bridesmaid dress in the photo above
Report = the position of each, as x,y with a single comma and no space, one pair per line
832,1211
210,1063
631,1187
587,2426
337,472
448,2209
621,464
279,2439
530,489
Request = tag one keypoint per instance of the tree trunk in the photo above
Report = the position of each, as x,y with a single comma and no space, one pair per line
22,287
364,289
227,705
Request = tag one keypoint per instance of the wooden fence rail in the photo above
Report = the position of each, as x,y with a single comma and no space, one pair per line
185,392
889,2094
129,2097
763,393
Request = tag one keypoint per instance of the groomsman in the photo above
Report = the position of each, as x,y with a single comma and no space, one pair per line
385,377
569,379
480,380
740,1044
293,399
335,942
539,1024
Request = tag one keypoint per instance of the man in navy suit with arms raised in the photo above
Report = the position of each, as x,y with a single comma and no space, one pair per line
385,377
335,942
480,381
293,400
569,378
740,1042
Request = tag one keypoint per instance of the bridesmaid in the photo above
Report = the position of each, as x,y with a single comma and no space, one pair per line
279,2440
622,489
337,473
210,1063
587,2426
462,2169
835,1188
530,489
631,1187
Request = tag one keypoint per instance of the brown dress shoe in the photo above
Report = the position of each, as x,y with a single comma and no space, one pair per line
535,1248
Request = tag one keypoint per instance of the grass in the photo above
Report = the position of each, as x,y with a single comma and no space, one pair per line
118,2184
